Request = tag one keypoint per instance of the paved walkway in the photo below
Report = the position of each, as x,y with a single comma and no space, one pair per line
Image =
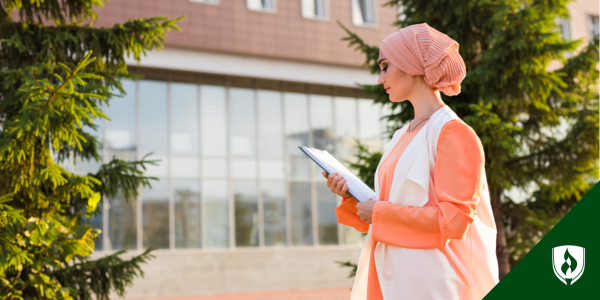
325,294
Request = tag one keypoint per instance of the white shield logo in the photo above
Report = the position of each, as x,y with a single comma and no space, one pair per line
568,263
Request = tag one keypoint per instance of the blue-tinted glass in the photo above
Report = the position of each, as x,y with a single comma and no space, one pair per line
122,223
184,118
273,194
301,210
155,215
245,197
296,123
327,202
187,213
216,213
153,116
270,124
213,119
120,131
242,120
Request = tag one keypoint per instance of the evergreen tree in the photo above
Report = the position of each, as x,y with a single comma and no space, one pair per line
57,72
516,106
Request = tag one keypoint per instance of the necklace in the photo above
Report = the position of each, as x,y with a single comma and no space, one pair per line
417,125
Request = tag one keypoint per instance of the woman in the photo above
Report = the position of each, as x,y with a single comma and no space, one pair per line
431,234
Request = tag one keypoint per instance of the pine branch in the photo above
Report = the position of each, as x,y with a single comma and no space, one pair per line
96,279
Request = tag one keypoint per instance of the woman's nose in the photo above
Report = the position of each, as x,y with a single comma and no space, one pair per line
381,79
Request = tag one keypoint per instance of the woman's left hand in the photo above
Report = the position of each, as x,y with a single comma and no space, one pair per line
365,210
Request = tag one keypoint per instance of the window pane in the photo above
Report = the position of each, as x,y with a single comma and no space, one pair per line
84,166
184,118
161,166
321,120
243,168
273,194
153,116
328,228
120,132
185,166
301,213
213,120
216,214
369,130
270,124
243,134
296,123
346,127
299,170
187,213
122,220
155,215
246,213
272,169
214,168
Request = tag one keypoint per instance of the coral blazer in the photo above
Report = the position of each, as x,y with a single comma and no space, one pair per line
419,253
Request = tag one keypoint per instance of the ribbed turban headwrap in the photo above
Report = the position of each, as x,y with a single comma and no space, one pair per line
421,50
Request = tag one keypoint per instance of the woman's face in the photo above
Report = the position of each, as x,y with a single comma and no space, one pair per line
398,84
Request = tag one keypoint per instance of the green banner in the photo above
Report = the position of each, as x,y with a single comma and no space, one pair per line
565,264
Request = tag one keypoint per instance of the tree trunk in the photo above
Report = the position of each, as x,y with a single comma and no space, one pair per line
501,247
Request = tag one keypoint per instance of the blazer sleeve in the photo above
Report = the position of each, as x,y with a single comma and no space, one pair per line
346,214
457,181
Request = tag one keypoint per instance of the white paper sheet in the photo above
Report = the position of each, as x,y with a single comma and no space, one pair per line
330,164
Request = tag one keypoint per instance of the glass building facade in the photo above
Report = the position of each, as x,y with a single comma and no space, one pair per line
230,173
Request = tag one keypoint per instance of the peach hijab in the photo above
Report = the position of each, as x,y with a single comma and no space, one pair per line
419,49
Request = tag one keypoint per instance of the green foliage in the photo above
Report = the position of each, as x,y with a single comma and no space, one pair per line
366,165
353,267
516,105
53,85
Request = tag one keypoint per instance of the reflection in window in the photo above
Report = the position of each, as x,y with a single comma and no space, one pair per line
345,127
216,214
213,120
120,132
187,213
153,116
270,124
321,121
296,123
245,197
273,194
122,223
328,228
243,134
301,213
184,118
155,215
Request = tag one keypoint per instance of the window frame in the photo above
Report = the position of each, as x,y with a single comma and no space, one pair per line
355,11
262,10
306,14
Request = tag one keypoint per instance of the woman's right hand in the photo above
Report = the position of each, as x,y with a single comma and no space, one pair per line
337,184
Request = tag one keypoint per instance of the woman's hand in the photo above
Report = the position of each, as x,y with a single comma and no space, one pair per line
337,184
365,210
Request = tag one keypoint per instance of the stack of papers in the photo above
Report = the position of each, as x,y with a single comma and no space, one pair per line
329,164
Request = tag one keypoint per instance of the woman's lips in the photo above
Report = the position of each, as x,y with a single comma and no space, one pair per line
387,90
